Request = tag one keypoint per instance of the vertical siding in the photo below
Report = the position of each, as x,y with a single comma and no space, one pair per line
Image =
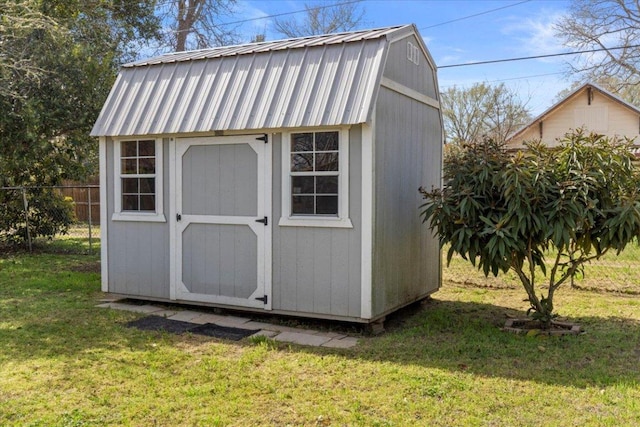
408,150
621,121
317,270
138,252
419,77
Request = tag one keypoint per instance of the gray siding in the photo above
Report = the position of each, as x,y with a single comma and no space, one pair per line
317,270
138,252
219,180
220,259
419,77
408,150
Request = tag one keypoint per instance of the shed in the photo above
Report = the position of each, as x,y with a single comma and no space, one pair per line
588,106
278,177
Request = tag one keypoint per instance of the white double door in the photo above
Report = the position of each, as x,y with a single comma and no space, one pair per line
221,224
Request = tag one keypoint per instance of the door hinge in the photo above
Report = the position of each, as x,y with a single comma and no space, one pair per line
264,220
264,138
178,217
264,299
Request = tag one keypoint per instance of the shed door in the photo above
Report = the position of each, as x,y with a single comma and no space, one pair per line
222,220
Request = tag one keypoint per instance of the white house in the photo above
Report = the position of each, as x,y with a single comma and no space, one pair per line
589,107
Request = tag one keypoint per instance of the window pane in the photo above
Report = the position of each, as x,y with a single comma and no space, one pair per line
302,162
147,185
301,142
147,203
147,165
129,203
327,141
302,205
147,148
130,185
326,161
128,149
302,185
129,166
327,205
327,185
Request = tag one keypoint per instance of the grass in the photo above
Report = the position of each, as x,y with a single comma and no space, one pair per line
64,362
612,273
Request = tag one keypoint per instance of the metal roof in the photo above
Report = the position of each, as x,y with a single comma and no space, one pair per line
323,80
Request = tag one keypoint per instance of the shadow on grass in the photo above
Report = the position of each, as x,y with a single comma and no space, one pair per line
459,337
465,337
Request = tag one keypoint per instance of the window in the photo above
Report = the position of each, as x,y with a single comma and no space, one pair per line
315,179
314,173
138,180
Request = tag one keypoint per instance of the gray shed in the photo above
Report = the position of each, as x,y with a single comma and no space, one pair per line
275,177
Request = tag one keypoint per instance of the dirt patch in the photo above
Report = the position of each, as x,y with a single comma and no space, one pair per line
86,267
534,327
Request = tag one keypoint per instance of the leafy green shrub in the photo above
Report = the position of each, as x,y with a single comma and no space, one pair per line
503,211
49,214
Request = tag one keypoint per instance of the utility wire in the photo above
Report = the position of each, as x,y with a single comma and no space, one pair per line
277,15
508,79
475,15
551,55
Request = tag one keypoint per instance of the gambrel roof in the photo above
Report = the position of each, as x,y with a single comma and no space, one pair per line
326,80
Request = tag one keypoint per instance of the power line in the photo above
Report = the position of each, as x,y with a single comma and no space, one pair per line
511,78
475,15
277,15
551,55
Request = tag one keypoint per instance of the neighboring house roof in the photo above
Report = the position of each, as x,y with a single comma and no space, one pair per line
569,97
323,80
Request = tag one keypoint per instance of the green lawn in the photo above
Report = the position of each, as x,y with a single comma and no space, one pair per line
612,273
64,362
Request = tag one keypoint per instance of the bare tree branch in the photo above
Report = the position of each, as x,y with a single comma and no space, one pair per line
322,18
482,110
17,20
604,24
195,24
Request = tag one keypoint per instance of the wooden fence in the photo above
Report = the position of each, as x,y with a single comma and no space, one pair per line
86,199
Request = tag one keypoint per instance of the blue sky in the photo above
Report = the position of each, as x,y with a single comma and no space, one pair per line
519,28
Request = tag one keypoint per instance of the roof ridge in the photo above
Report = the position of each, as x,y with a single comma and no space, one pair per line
265,46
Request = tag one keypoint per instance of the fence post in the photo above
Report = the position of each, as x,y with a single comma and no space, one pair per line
90,224
26,216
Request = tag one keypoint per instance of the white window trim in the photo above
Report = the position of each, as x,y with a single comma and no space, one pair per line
342,220
118,214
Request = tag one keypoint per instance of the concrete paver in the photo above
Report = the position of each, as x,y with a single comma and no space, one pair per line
206,318
146,309
185,316
277,332
332,335
260,325
301,338
233,321
265,333
165,313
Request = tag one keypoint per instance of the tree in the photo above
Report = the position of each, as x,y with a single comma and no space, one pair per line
482,111
195,24
506,212
18,19
72,51
611,25
322,18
